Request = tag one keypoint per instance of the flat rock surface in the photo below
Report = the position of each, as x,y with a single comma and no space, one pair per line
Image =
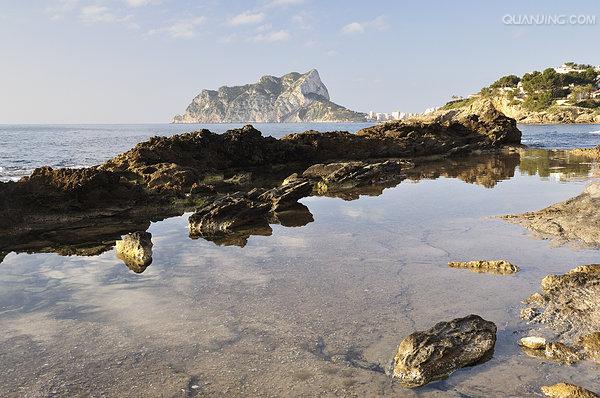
575,219
499,267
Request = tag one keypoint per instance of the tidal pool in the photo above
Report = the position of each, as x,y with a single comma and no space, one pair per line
314,310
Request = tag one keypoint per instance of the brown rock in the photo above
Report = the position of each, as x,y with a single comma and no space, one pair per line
432,355
566,390
500,267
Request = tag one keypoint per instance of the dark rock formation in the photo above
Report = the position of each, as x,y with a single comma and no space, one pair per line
135,249
432,355
499,267
234,217
575,219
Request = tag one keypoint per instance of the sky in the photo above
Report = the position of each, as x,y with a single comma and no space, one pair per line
142,61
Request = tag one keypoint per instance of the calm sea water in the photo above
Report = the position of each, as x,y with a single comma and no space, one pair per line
308,311
25,147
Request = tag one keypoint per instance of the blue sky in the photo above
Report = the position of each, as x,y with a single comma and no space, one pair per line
131,61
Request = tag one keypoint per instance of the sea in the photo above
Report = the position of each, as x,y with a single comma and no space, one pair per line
25,147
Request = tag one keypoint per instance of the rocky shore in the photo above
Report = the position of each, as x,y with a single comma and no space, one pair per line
167,175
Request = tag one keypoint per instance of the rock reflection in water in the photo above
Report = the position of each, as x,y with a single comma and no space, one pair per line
90,235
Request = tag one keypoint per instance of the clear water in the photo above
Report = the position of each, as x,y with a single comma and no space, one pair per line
303,311
25,147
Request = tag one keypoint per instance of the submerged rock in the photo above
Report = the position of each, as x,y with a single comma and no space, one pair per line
432,355
567,390
501,267
575,219
562,353
135,249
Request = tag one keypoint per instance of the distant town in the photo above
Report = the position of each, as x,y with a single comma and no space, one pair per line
577,94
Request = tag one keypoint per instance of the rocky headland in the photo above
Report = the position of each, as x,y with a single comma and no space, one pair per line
566,94
293,97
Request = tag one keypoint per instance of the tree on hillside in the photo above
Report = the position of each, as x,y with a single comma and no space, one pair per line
506,81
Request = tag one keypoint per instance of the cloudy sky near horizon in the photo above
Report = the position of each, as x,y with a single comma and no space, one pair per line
141,61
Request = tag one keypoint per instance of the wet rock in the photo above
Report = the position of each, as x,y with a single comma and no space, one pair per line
590,344
135,249
533,342
568,304
562,353
500,267
229,214
284,196
202,189
432,355
567,390
575,219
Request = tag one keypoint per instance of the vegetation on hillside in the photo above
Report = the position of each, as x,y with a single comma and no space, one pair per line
538,91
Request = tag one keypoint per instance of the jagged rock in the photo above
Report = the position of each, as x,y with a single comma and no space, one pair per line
432,355
567,390
590,344
562,353
533,342
293,97
569,304
285,195
229,214
500,267
233,218
575,219
348,179
135,249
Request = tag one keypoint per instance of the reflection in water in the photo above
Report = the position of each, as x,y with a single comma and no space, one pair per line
555,164
90,237
311,311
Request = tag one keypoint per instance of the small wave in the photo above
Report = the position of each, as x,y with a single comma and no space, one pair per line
595,132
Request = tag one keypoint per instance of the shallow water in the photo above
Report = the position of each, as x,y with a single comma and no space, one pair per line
316,310
25,147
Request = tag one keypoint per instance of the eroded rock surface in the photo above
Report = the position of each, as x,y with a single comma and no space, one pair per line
135,249
575,219
567,390
432,355
568,304
500,267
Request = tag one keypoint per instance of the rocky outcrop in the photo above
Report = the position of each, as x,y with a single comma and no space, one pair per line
575,219
231,220
432,355
499,267
293,97
587,153
567,390
562,114
135,249
569,304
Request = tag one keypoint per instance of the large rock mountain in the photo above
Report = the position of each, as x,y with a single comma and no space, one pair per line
293,97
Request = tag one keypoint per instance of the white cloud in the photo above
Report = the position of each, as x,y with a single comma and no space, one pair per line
183,28
140,3
272,37
379,23
96,14
58,9
278,3
354,27
246,18
303,20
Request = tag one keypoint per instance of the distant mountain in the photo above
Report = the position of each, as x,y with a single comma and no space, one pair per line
293,97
